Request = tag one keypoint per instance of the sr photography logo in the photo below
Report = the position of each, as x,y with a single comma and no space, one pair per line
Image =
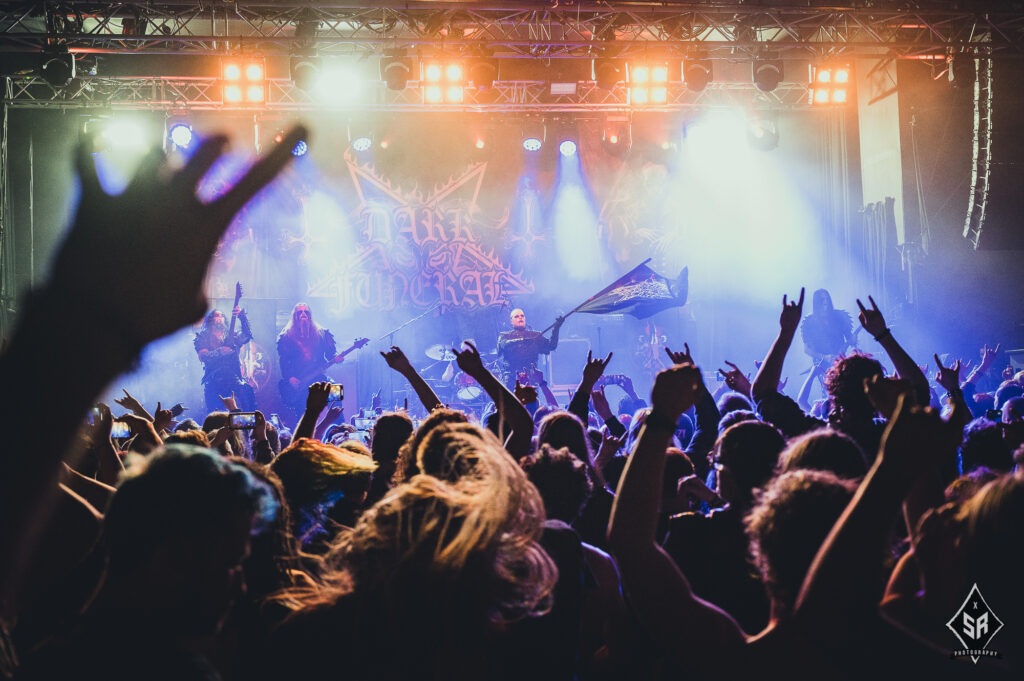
975,624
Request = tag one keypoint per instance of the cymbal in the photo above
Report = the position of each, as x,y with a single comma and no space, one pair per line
440,353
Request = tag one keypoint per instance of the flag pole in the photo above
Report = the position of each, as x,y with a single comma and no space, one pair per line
600,293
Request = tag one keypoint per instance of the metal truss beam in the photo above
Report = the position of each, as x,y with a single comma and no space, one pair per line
205,94
528,29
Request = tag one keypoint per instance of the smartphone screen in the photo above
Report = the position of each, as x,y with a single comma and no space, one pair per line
242,420
120,430
337,393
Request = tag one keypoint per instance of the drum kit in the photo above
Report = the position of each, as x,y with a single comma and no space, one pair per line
457,386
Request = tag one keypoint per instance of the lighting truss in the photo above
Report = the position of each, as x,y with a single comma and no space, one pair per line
206,94
809,28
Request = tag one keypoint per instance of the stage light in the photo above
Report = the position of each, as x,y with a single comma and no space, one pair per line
301,147
432,73
362,143
607,73
648,83
304,71
340,82
829,84
58,68
395,69
617,135
444,82
767,73
697,73
482,72
244,81
567,148
180,135
534,134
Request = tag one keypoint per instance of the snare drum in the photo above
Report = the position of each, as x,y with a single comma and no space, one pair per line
467,389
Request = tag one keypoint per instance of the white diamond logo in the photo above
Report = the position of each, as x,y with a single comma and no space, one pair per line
975,624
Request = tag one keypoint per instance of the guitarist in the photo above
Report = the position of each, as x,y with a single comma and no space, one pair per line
305,349
217,347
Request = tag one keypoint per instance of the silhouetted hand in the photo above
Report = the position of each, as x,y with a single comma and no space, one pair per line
594,368
883,393
872,320
682,357
469,360
988,357
948,377
162,418
675,390
600,402
736,379
397,360
917,440
229,401
259,433
526,394
316,398
130,403
792,313
114,262
609,445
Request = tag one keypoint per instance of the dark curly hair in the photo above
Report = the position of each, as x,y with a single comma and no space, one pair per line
844,382
561,478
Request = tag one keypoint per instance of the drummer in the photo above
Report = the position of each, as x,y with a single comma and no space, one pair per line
520,349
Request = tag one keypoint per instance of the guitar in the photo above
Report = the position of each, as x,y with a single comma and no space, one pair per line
238,299
296,396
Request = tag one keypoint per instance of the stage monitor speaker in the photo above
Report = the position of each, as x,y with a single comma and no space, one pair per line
567,361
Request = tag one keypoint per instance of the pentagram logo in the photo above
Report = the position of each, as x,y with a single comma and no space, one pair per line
975,625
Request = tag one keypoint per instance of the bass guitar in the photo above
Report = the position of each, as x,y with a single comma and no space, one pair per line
234,317
295,396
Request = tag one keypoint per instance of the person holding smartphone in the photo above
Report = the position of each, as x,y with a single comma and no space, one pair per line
222,372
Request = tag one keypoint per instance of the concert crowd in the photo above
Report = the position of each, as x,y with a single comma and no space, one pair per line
709,530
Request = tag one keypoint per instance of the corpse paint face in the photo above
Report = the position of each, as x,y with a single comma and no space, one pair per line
518,319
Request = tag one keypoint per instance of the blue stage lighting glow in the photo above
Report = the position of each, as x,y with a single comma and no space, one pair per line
300,149
180,135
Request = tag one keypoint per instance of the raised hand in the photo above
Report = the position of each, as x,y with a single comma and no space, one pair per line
675,390
792,313
736,379
130,403
917,440
162,418
316,398
988,357
526,394
609,445
948,377
114,260
872,320
259,433
469,359
397,360
600,402
229,401
683,357
594,367
883,393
